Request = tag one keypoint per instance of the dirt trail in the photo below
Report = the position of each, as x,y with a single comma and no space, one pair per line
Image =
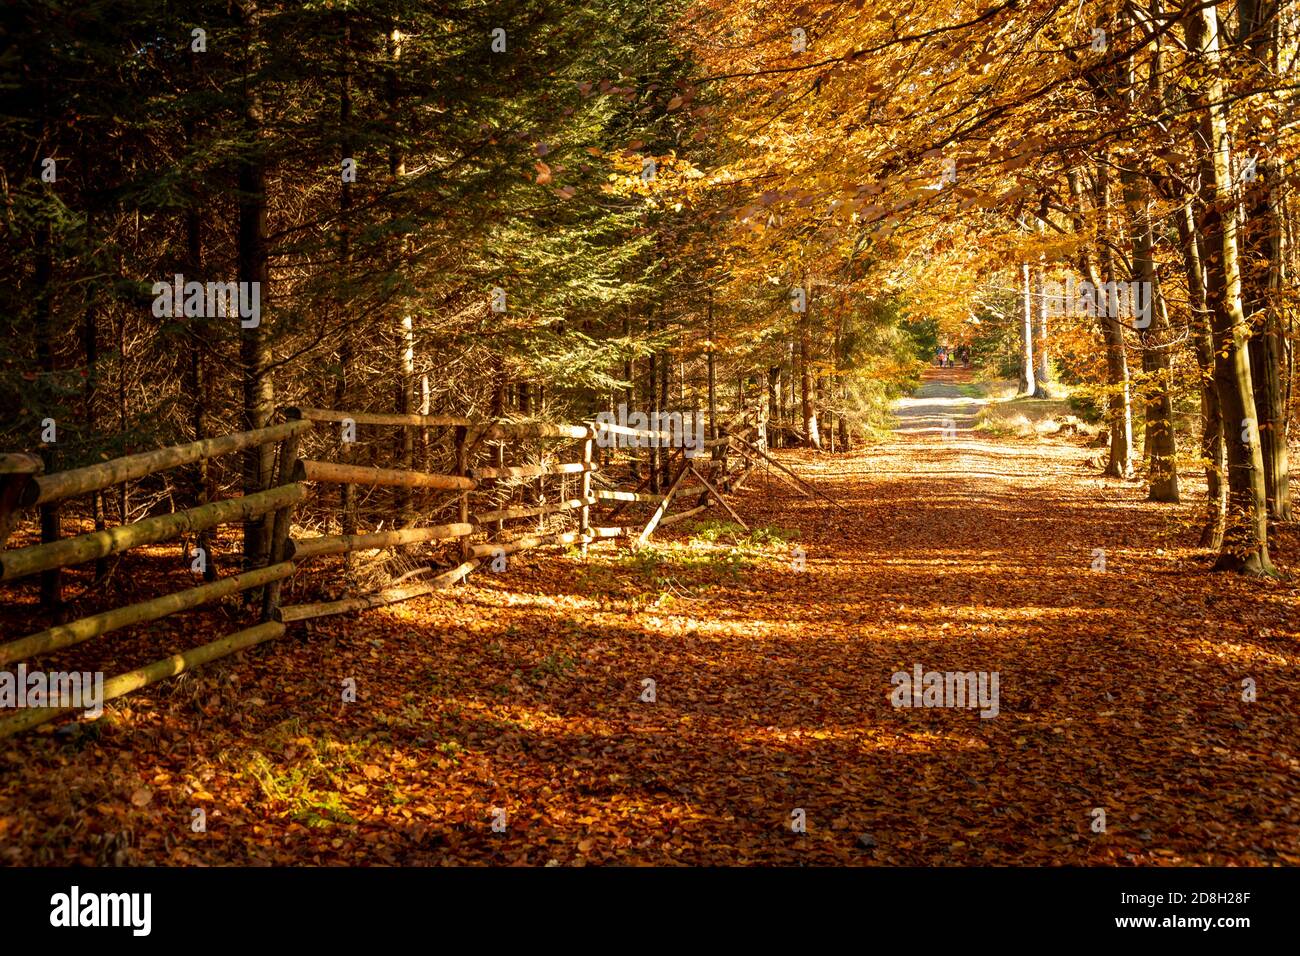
939,405
1119,690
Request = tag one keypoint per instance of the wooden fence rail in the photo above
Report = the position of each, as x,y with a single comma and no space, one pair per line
327,471
100,544
66,635
306,548
532,471
80,481
122,684
376,418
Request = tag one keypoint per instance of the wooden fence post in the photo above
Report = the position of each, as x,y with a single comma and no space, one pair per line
499,458
584,521
283,518
718,453
15,472
462,469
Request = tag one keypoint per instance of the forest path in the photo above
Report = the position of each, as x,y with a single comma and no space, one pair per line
940,403
525,692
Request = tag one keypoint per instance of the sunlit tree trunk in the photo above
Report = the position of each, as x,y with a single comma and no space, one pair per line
1153,331
773,390
1245,539
405,385
811,435
1044,371
1118,407
713,376
1212,449
1027,384
665,377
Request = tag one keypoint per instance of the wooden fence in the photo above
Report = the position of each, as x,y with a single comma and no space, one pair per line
480,535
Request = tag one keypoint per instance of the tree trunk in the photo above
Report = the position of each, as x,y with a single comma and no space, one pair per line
405,398
1212,450
1027,384
51,579
405,437
200,477
823,413
652,404
811,436
773,390
665,375
1245,539
90,350
1262,257
347,493
1119,411
629,391
254,348
713,377
1153,330
1044,370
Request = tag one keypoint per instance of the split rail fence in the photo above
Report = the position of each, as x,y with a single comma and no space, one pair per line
480,534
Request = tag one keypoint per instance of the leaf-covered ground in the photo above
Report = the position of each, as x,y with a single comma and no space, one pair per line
522,691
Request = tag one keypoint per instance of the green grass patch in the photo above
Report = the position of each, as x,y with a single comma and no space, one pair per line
1027,417
306,780
715,551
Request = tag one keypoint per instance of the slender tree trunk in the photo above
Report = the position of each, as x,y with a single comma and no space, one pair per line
194,371
629,393
820,393
254,347
811,435
1043,373
1160,444
1119,411
773,390
90,349
342,381
788,380
1262,261
405,385
713,377
51,518
1245,539
652,403
841,385
1027,384
1212,449
123,349
665,375
844,417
